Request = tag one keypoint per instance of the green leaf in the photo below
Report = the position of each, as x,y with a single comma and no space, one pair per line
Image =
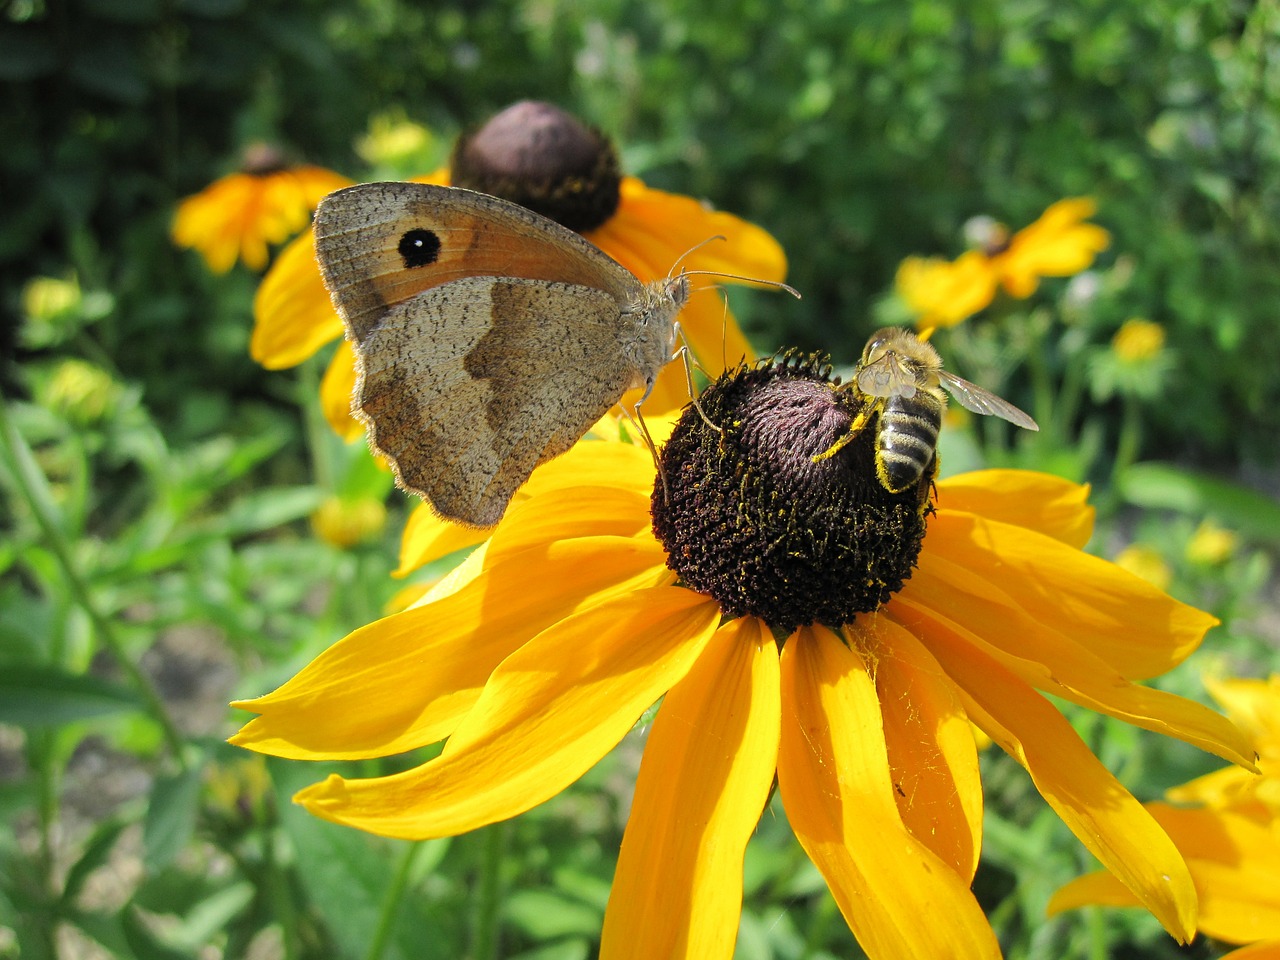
1164,487
95,855
171,817
546,915
39,697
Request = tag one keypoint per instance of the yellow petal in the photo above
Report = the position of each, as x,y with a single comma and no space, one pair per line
833,772
595,488
406,680
932,753
943,293
1058,244
1098,809
292,314
1267,950
1038,501
1235,863
428,536
1044,657
336,389
1120,618
549,711
707,770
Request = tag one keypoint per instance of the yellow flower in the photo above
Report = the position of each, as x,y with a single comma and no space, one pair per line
1058,244
943,293
1211,545
243,213
648,231
1147,563
1138,341
346,522
767,604
1230,837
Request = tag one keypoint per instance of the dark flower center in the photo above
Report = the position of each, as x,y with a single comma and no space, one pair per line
750,519
540,157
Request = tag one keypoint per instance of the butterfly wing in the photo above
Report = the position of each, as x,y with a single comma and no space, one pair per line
380,244
973,397
468,386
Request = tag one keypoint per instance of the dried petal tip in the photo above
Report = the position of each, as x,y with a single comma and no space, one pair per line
540,157
749,518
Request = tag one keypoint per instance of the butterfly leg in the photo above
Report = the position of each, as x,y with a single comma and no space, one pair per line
685,354
636,419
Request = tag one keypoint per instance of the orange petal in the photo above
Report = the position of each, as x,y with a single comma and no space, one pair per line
551,709
932,753
292,314
406,680
1053,662
1120,618
708,767
1038,501
1268,950
833,772
1098,809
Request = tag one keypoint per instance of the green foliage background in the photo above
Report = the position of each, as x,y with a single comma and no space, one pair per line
856,132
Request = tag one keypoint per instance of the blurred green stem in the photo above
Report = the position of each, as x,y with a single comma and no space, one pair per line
319,434
391,902
488,902
34,488
1130,439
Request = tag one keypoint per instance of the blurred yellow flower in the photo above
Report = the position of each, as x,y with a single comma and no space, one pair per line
818,663
242,214
344,522
1059,244
1138,341
1211,545
1229,833
943,293
1147,563
644,229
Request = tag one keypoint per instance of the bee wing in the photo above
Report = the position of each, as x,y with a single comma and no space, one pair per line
973,397
886,377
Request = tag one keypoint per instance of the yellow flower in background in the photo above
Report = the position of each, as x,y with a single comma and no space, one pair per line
345,522
796,620
1138,341
1228,829
541,157
1145,562
241,215
943,293
1211,545
1059,244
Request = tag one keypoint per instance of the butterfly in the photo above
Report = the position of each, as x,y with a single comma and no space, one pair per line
488,338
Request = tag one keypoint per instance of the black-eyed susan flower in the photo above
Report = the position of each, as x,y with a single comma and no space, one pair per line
1227,826
1060,243
796,620
541,157
242,215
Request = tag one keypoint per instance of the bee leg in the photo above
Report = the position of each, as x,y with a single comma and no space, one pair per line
855,428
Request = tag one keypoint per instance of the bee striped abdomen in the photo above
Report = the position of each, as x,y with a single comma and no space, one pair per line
908,436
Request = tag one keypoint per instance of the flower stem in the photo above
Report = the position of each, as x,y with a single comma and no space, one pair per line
34,488
488,902
391,902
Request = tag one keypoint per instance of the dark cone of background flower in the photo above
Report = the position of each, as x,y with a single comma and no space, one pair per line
540,157
750,520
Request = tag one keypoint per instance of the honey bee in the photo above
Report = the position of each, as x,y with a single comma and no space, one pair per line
903,379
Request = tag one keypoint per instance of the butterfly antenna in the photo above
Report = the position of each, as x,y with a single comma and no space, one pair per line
775,284
692,250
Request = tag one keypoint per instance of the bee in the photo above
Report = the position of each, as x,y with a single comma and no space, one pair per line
903,380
